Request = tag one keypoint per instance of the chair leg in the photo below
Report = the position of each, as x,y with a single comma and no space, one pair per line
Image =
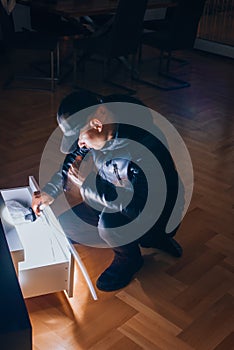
133,64
58,60
179,83
168,61
51,79
160,61
140,53
179,60
74,67
107,80
52,71
59,77
106,72
78,61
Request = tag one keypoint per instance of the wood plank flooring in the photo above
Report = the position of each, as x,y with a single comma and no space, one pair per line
172,304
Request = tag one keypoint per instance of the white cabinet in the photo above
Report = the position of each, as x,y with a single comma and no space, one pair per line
39,249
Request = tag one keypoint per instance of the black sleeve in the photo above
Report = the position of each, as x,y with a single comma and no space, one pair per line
57,183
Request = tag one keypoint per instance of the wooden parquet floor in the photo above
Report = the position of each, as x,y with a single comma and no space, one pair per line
172,304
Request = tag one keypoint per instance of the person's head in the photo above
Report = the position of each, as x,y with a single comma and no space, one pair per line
81,115
88,120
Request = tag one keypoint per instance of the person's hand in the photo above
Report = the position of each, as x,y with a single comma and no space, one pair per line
79,170
76,171
40,200
74,174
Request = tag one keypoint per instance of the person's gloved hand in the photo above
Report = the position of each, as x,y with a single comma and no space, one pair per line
20,212
79,170
40,200
74,173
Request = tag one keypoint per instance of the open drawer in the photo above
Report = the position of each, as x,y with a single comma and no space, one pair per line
42,255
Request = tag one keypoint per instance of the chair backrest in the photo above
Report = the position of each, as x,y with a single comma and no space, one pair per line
183,23
6,24
127,27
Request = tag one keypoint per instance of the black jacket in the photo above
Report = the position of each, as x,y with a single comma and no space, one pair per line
121,180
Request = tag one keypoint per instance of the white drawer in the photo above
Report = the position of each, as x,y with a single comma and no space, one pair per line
39,249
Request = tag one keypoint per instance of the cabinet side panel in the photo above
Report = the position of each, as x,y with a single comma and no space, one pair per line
44,280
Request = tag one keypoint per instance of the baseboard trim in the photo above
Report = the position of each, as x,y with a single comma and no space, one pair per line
214,47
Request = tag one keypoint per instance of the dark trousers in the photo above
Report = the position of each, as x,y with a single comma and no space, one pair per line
85,225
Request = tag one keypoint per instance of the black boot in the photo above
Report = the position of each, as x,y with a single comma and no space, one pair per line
127,261
165,243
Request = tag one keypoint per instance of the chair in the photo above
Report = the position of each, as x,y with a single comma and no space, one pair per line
157,24
160,24
177,32
27,40
95,22
62,28
117,39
